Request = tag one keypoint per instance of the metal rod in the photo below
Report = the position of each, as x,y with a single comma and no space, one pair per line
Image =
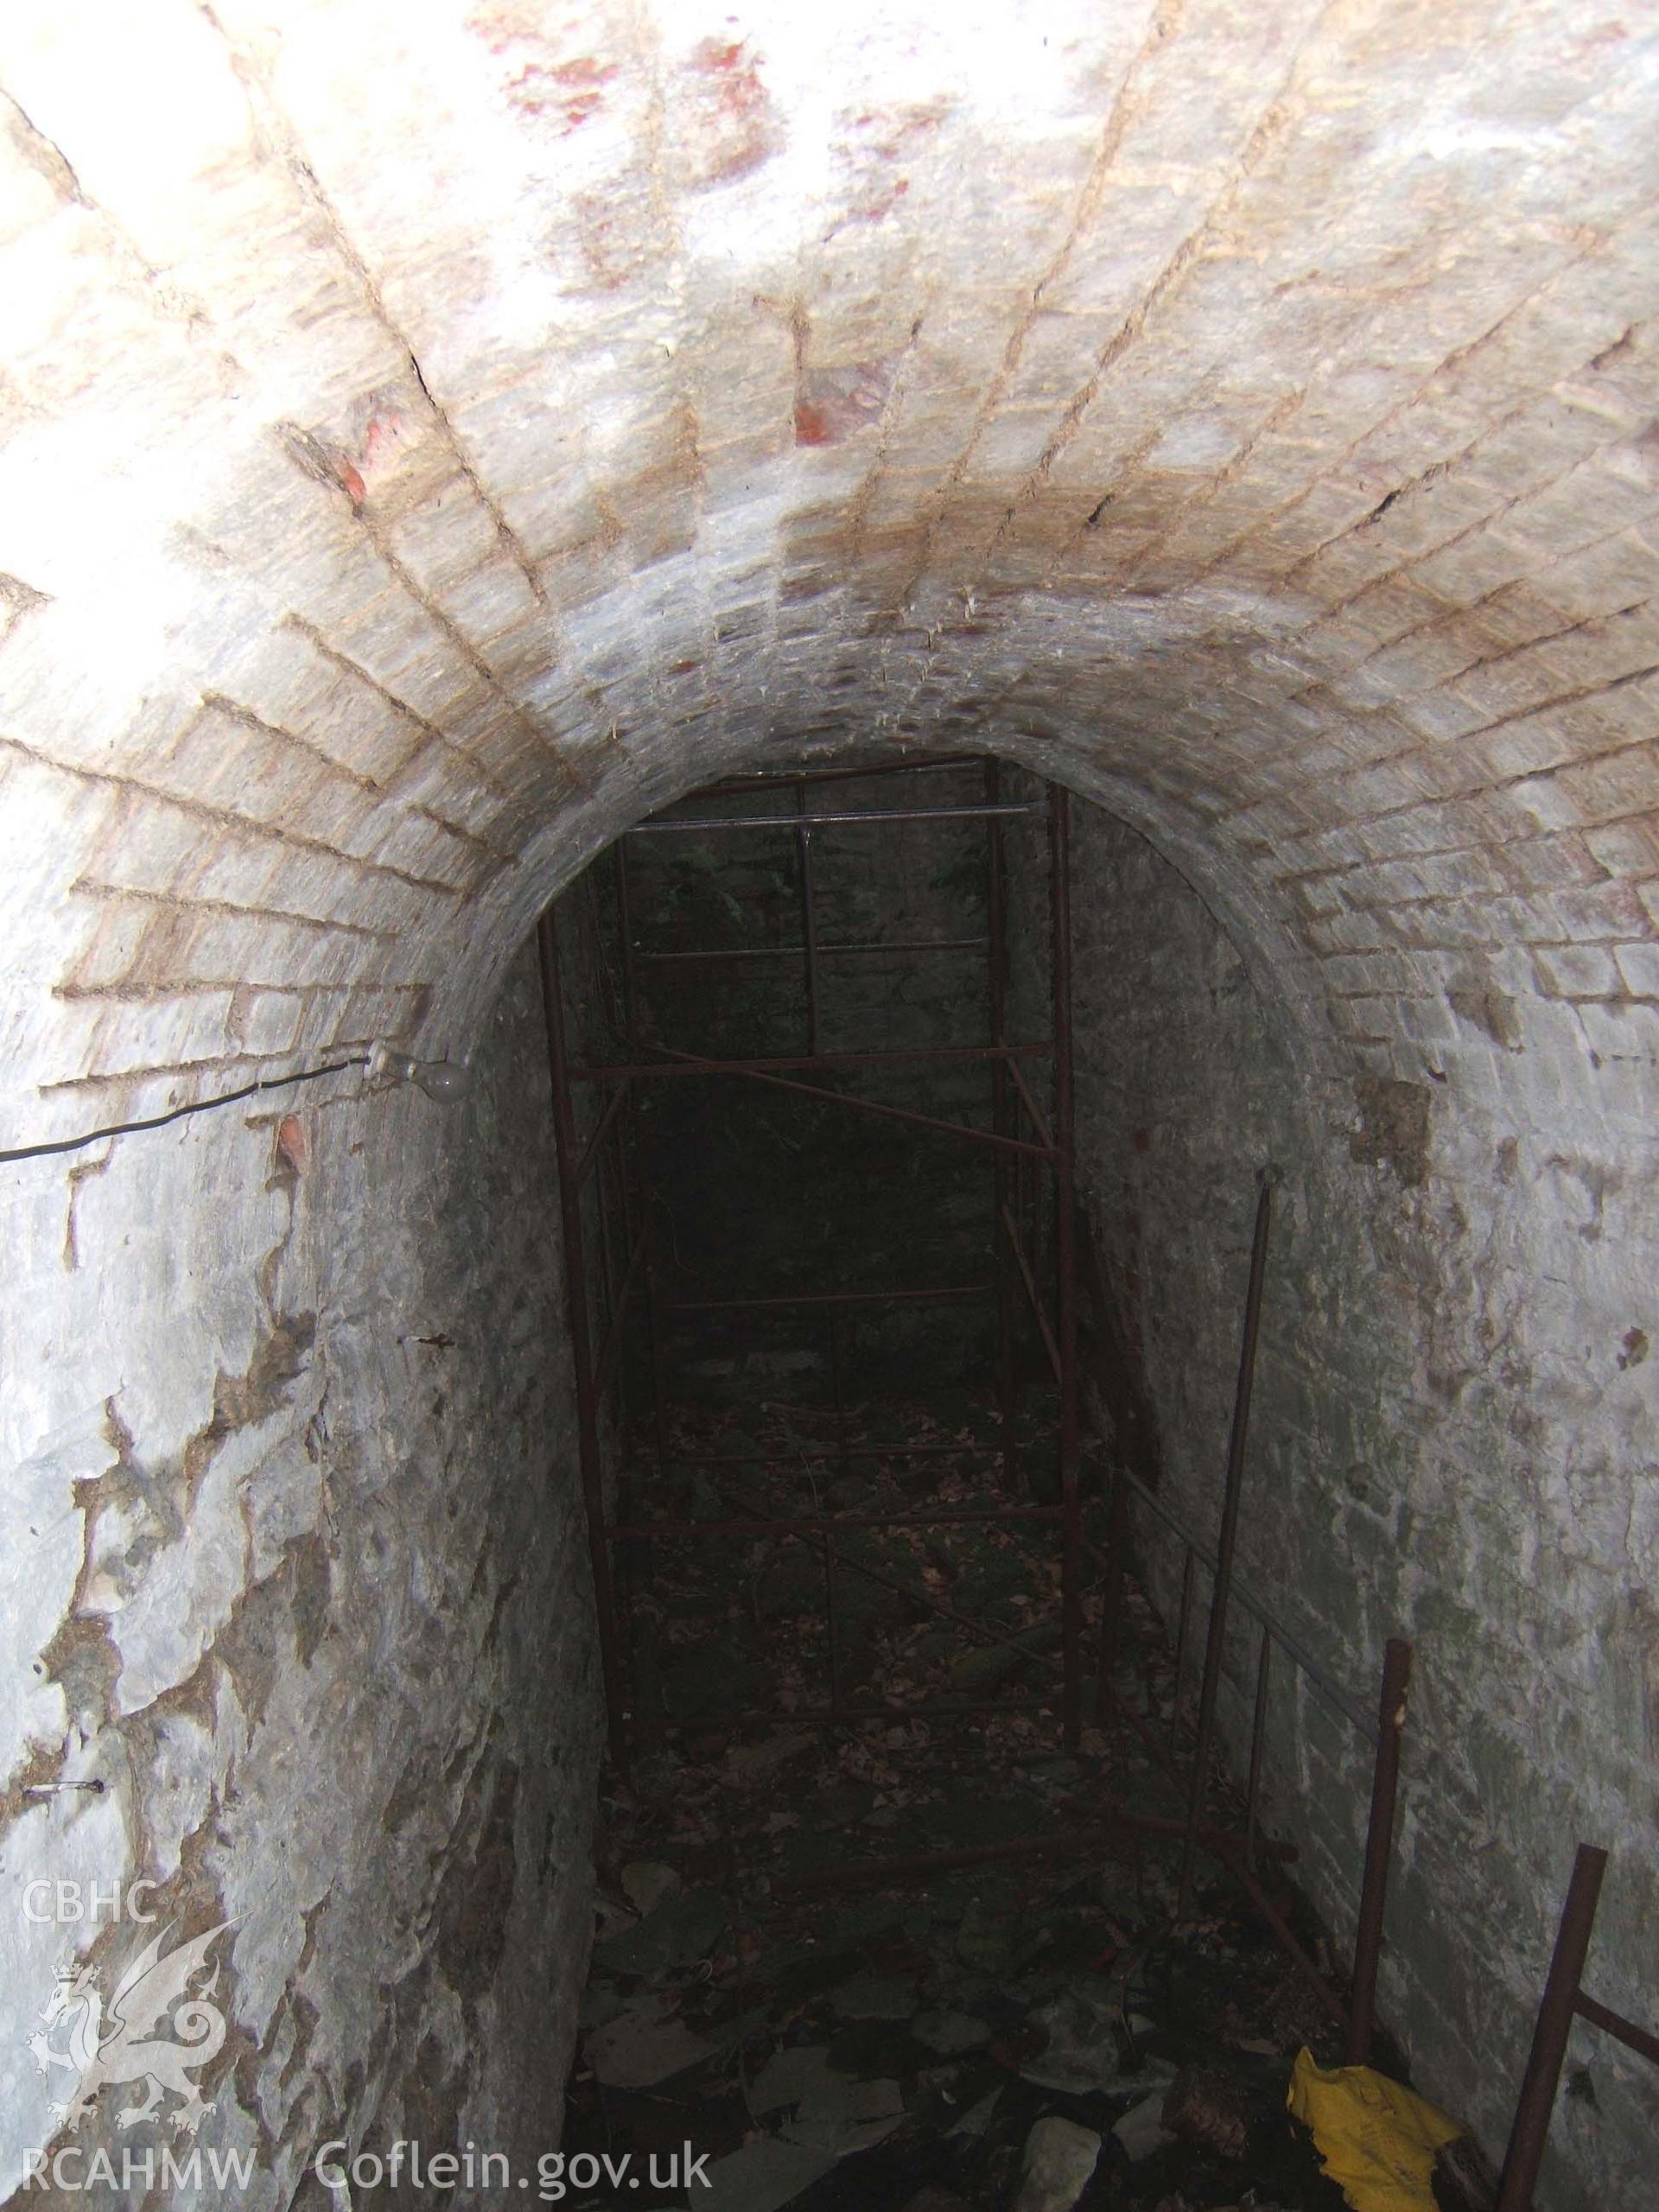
1615,2024
1051,1343
662,824
862,1105
1379,1848
1554,2024
1222,1589
1066,1262
1258,1745
689,1063
834,1298
588,1454
1074,1843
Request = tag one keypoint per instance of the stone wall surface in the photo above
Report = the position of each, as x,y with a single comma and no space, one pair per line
293,1565
1451,1441
434,436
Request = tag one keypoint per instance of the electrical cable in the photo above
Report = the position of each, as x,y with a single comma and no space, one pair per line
182,1112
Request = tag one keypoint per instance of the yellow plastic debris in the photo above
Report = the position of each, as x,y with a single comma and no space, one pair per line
1377,2139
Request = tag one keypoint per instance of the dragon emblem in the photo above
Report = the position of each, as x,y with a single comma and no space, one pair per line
107,2049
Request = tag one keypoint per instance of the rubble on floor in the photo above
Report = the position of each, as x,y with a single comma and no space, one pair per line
1008,2035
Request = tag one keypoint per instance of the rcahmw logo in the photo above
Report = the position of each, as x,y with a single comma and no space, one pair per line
101,2047
54,1904
72,2169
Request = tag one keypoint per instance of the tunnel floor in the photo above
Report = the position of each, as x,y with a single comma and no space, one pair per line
828,2028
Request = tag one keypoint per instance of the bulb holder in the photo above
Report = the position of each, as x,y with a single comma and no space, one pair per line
444,1080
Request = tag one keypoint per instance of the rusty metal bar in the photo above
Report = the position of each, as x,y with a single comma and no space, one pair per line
1072,1843
1050,1342
1065,1263
946,1292
751,1074
588,1450
1615,2024
689,1063
1379,1849
1554,2024
1222,1589
661,825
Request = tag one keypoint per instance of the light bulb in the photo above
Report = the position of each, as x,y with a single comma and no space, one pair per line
443,1080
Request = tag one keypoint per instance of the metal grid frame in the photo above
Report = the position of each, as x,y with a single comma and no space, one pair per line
1026,1168
1564,2001
1033,1162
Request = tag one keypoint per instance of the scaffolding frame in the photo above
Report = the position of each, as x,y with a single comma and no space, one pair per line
1025,1168
1028,1169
